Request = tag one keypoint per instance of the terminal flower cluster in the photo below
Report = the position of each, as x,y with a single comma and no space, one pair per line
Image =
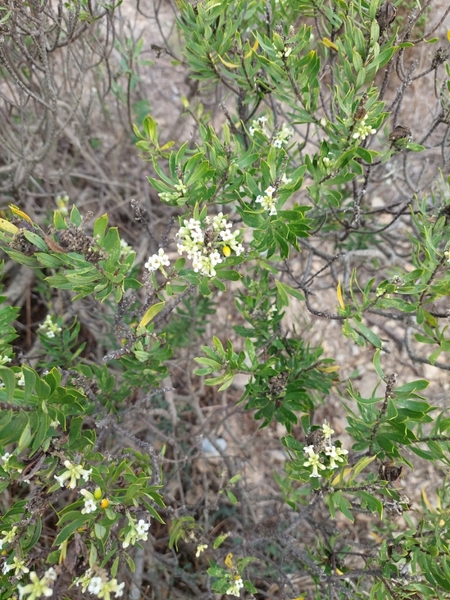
157,261
268,201
283,136
96,582
8,536
18,565
49,328
362,130
258,125
73,472
38,587
278,139
326,456
235,589
137,530
180,191
206,242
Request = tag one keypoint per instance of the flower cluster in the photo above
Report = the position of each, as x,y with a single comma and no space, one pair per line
258,125
206,242
278,139
267,201
285,52
96,582
136,531
62,202
324,456
235,589
4,360
8,536
73,472
362,130
39,587
283,136
49,328
18,565
157,261
200,549
20,378
446,254
125,249
181,190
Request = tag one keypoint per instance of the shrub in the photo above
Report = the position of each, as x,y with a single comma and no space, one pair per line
306,196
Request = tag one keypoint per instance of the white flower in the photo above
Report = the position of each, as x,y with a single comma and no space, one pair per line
49,328
137,531
18,565
313,461
8,536
335,454
157,260
203,242
200,549
234,590
142,527
74,472
6,456
363,130
95,585
283,136
327,431
84,580
37,587
89,506
268,201
4,360
125,249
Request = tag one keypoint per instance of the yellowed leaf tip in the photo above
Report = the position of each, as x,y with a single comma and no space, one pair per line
329,44
340,296
17,211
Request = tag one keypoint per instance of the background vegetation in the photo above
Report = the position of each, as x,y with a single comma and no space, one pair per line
224,344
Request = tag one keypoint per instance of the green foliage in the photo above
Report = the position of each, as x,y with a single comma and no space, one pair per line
268,203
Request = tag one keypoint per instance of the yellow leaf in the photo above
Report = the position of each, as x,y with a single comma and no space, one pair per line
343,474
448,35
151,313
331,369
229,560
376,537
329,44
9,227
339,295
16,210
228,64
252,49
425,500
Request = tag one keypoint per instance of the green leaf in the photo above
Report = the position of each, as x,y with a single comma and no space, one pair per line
75,216
100,228
368,334
35,239
8,378
70,528
25,438
151,313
